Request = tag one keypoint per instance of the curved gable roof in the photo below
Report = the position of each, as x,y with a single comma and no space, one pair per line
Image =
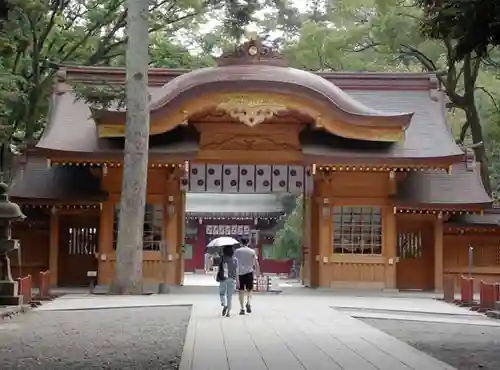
245,74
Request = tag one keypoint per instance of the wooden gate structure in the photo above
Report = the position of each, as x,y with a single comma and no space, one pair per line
374,147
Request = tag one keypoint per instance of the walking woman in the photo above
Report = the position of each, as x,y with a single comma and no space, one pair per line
227,276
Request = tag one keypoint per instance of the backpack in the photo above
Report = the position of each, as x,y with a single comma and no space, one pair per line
220,271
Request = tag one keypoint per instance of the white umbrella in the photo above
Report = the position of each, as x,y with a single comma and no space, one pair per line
222,241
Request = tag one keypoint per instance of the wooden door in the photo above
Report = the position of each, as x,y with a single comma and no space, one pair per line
415,269
78,241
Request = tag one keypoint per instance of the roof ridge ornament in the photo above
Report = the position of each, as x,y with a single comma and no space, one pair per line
253,51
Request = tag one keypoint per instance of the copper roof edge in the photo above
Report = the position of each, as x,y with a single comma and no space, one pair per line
443,206
222,80
369,160
71,69
75,73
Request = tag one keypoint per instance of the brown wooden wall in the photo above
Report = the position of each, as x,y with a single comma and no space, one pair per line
353,189
34,238
161,189
486,255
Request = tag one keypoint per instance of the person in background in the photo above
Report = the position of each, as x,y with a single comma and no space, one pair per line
248,265
208,261
227,277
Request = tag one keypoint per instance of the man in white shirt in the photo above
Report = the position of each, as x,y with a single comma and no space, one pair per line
248,265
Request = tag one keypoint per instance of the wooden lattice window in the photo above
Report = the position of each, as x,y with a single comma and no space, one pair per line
153,227
410,245
357,230
82,241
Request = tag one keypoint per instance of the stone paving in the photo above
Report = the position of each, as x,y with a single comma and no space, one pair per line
294,332
282,334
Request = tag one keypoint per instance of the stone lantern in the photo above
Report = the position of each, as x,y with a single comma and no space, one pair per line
9,212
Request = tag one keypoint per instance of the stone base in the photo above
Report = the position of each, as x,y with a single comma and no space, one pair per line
147,289
9,294
11,300
9,288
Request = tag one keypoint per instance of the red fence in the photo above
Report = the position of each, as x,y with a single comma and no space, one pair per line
25,288
489,294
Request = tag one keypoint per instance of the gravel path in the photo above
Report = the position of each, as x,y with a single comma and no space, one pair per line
464,347
126,338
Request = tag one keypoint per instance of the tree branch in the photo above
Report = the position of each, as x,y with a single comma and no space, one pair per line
490,95
463,131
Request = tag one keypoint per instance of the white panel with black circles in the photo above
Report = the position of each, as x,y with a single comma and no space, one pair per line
230,178
214,178
263,179
247,179
279,179
234,178
197,178
296,179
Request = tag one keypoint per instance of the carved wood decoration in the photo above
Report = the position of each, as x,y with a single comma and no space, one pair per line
271,137
250,109
233,178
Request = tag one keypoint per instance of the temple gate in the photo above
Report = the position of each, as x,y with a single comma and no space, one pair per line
370,153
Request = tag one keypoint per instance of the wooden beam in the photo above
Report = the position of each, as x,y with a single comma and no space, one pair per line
389,246
438,254
54,247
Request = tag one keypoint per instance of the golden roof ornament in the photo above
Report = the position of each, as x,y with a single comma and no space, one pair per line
253,51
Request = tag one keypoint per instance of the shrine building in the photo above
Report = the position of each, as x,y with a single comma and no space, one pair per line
390,200
210,215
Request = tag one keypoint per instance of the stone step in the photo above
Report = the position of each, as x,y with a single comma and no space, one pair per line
493,314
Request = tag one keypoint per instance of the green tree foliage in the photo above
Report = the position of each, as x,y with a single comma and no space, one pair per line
385,35
41,35
473,24
288,240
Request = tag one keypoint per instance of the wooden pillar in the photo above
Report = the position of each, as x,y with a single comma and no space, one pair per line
438,254
324,217
181,223
171,239
306,241
389,246
173,229
54,247
106,267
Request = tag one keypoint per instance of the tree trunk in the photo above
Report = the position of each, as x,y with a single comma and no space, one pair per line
128,273
480,152
470,74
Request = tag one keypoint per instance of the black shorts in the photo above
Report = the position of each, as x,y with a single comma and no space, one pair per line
246,282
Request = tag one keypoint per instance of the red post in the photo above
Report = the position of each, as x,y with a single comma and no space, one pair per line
488,295
44,291
466,290
25,288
